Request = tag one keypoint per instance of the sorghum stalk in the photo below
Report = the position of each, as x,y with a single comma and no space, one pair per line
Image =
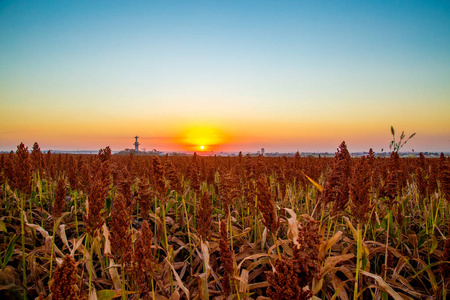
75,200
170,250
91,262
358,259
445,267
256,225
153,289
189,232
57,210
170,259
230,228
55,224
436,216
40,196
22,229
275,240
163,211
124,286
387,244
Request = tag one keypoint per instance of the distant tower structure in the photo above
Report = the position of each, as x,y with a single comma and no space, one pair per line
136,144
263,151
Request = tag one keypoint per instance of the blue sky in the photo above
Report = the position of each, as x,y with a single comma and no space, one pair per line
284,74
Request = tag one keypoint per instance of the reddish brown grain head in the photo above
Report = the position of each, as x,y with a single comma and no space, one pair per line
173,177
2,168
193,174
442,163
250,194
266,205
94,219
64,282
145,197
227,191
60,198
371,155
285,283
422,184
308,240
337,189
445,180
23,170
125,182
291,276
204,216
143,261
433,178
85,177
281,181
389,189
50,168
104,154
36,157
120,236
9,169
261,167
249,168
160,183
306,252
422,161
72,173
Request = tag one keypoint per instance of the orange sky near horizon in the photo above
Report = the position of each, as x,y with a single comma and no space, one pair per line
67,131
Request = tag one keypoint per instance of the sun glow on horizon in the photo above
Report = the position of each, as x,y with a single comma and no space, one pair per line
202,137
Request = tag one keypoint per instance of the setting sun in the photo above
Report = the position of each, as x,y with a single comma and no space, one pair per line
201,137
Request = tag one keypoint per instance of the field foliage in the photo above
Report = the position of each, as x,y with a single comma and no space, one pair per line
166,227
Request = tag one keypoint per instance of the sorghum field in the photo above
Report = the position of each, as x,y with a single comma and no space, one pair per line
170,227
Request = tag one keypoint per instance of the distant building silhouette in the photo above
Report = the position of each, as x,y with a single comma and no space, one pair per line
136,144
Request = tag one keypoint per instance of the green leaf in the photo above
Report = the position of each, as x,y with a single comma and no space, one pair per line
9,252
169,206
2,226
107,294
434,244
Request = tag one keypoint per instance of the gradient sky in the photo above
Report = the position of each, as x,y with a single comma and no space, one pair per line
229,75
